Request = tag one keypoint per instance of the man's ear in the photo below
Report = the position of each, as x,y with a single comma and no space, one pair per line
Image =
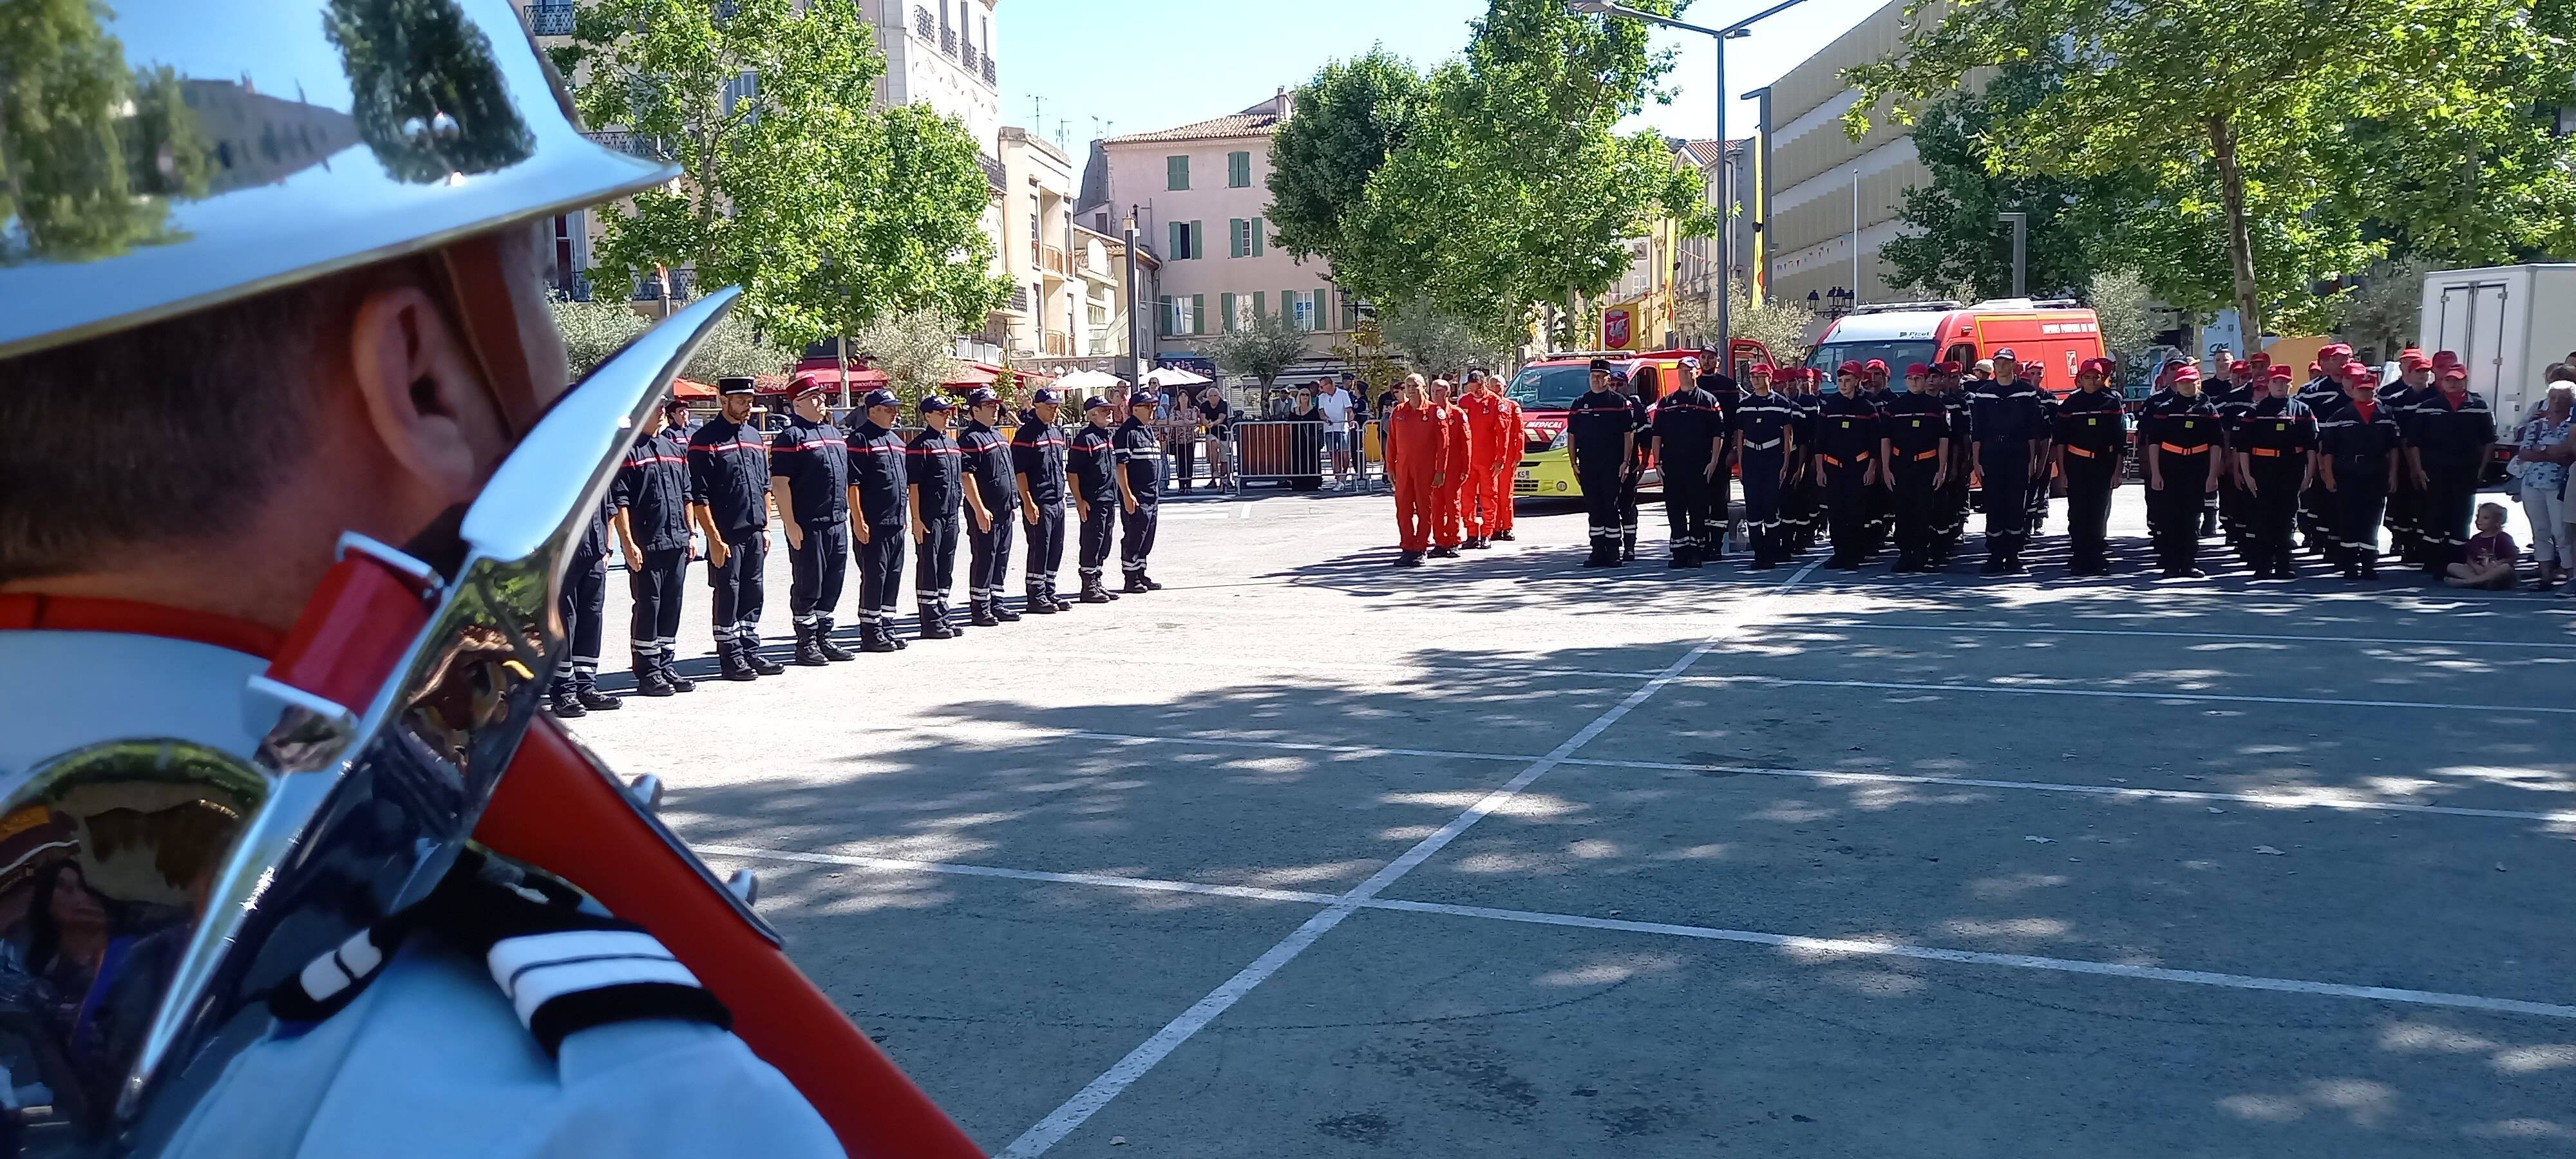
422,396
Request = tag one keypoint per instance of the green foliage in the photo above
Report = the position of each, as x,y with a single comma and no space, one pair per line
2125,305
1497,183
594,330
914,350
1262,346
1779,324
1957,244
2386,310
2260,135
735,347
826,211
1369,355
1442,343
429,101
82,175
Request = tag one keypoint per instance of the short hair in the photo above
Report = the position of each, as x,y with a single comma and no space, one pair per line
167,433
2560,372
2483,508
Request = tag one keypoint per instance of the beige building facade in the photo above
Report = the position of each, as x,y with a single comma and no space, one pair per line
1199,195
1067,291
1833,198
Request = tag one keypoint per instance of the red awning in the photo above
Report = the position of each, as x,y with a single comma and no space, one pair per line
829,378
690,388
972,374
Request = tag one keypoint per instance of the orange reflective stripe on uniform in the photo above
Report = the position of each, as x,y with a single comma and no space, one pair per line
2264,452
2073,450
1934,453
2171,449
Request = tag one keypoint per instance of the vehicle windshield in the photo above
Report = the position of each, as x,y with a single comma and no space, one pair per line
1550,387
1897,354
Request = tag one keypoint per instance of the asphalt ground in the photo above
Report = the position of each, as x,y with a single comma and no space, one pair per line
1309,856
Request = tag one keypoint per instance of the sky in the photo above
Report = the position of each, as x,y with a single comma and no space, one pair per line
1093,68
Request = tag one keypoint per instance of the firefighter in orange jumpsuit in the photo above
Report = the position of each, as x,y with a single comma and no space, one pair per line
1515,441
1417,463
1488,488
1449,494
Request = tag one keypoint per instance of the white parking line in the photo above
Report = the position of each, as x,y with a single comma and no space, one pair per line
1796,944
2268,800
2120,694
1098,1093
1861,625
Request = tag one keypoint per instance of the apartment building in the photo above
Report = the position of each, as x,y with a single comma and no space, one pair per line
940,53
1198,194
1067,294
1728,173
1833,199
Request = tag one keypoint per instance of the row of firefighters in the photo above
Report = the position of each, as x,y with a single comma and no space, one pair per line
2253,451
860,492
1451,465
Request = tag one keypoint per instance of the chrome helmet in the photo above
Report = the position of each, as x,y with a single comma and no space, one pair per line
164,905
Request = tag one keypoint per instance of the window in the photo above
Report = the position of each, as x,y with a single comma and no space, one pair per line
1350,312
1176,171
1238,170
1238,237
1185,240
743,87
1300,308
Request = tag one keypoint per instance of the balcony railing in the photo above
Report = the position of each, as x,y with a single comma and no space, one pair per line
684,284
988,69
572,287
550,19
636,143
966,53
921,25
948,41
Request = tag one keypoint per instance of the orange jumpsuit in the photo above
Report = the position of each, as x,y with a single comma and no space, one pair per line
1417,449
1449,497
1484,460
1515,442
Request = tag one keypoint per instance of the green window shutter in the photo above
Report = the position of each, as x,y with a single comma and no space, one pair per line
1163,315
1198,239
1320,323
1260,303
1257,231
1198,313
1288,309
1238,170
1234,246
1180,238
1176,169
1225,312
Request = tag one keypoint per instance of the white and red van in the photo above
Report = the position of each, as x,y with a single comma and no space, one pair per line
2057,334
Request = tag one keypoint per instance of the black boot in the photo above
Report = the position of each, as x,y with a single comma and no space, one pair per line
759,663
649,680
1000,611
824,643
935,625
593,699
982,616
562,701
1093,593
731,665
809,649
873,638
1039,603
1683,556
1061,604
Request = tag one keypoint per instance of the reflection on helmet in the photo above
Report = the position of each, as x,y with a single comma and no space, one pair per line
429,99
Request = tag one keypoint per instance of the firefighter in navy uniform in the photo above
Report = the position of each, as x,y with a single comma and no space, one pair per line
1847,466
1764,434
935,468
878,473
2360,453
585,610
1914,442
2043,456
2405,518
992,495
1721,474
2323,394
652,495
2273,447
2232,396
2447,452
2092,435
1093,462
1600,437
2005,416
1689,429
1955,488
1878,500
729,472
2178,435
1037,463
809,464
1139,456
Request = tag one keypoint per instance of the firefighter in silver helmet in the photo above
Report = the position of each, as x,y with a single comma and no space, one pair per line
278,364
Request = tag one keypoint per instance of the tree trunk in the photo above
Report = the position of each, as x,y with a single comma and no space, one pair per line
2240,241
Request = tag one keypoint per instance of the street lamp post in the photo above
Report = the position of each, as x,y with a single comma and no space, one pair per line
2021,247
1736,31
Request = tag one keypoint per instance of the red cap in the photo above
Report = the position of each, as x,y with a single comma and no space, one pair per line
2315,369
1761,368
2336,348
1876,366
2186,373
2454,372
2360,370
2101,366
2240,368
2033,368
2413,359
1916,370
2259,358
2446,358
1949,366
1851,368
2282,374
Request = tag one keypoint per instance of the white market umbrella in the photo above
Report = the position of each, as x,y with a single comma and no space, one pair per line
1174,376
1087,382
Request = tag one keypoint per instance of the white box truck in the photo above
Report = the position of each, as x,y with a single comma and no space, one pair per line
2508,324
